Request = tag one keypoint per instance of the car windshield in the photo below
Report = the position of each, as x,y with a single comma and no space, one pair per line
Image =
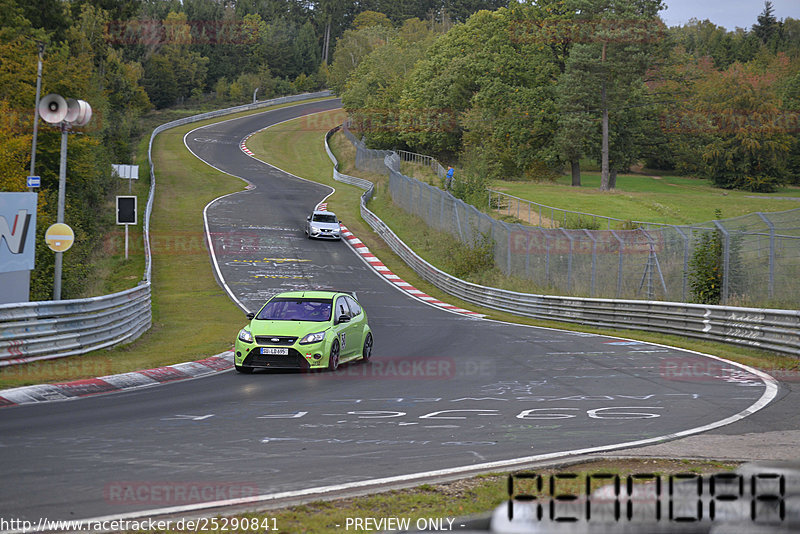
324,218
296,309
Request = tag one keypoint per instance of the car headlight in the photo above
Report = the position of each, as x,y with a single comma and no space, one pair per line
315,229
245,335
312,338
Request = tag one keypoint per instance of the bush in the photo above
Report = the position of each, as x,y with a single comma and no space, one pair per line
705,269
471,181
465,260
581,222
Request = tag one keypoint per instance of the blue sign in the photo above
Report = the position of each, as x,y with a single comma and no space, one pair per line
34,181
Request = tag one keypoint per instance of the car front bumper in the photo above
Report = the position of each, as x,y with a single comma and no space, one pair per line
310,356
325,234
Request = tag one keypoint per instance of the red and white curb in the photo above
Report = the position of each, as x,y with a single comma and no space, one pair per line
243,144
362,250
113,383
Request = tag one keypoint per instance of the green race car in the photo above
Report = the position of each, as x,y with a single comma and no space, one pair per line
304,330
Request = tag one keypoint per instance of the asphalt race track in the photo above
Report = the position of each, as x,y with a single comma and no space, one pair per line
442,390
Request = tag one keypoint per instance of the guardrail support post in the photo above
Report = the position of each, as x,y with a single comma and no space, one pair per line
771,226
685,276
569,260
726,261
619,269
594,259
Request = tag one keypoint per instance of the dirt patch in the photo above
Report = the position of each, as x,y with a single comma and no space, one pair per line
520,211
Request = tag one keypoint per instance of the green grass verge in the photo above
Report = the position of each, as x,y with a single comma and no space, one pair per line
193,317
659,199
297,148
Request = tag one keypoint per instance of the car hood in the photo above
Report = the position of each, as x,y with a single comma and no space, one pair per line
327,226
286,328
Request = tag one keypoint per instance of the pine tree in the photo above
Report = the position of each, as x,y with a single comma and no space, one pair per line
767,24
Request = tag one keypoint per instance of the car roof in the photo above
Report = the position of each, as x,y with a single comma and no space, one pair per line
314,294
321,212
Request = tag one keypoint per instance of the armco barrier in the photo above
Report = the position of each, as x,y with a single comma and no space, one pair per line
31,331
768,329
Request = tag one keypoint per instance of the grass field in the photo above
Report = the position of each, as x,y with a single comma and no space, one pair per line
660,199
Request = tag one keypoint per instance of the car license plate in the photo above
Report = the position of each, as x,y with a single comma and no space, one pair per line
274,352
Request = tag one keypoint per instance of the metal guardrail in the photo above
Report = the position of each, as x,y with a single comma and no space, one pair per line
339,177
423,160
53,329
31,331
768,329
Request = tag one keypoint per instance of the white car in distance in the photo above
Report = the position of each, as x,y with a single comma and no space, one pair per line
323,225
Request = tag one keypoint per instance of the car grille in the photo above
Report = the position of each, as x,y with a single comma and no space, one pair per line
281,340
294,360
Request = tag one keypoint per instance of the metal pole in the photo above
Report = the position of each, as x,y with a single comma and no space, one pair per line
594,259
726,254
254,95
685,261
508,247
569,260
527,253
36,111
771,227
62,184
126,242
619,269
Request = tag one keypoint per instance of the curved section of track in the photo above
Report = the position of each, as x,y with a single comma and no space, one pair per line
442,391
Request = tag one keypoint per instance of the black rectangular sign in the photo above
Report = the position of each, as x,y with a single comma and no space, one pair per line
126,210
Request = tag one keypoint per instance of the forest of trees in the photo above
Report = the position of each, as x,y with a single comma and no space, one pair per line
130,57
527,92
518,89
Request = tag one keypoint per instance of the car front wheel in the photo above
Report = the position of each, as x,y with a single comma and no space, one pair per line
333,359
366,353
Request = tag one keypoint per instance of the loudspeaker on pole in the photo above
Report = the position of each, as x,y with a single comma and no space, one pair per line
73,109
53,108
84,113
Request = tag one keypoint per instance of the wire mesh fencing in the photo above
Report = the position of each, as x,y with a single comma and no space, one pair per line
750,260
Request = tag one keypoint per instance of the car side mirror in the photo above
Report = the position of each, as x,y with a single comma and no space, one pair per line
308,218
251,316
343,319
